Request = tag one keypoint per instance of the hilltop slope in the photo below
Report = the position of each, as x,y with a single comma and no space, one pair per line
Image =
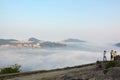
84,72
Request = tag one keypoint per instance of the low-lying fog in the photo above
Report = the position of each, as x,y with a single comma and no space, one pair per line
51,58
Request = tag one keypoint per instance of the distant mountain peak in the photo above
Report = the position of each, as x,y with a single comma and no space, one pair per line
73,40
117,44
33,39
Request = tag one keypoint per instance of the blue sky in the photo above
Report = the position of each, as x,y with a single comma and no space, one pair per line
92,20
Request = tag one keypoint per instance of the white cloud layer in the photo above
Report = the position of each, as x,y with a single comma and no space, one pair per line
39,59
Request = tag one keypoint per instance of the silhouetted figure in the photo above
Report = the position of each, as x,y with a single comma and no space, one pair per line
114,54
104,56
111,54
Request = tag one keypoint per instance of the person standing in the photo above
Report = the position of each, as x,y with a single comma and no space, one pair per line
111,55
114,55
104,56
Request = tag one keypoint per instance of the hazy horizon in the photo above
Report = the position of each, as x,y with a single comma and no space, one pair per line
54,20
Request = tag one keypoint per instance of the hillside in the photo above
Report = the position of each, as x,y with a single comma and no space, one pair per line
7,41
83,72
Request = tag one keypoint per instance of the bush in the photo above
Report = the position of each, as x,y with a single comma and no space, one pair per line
110,64
12,69
118,63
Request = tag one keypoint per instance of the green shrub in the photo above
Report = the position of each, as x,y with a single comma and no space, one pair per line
110,64
118,63
12,69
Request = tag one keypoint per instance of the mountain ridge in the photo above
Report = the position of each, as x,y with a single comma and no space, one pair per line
32,42
73,40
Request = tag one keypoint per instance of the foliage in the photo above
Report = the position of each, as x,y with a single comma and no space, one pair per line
118,63
110,64
12,69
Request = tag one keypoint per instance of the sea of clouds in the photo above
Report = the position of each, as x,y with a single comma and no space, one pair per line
51,58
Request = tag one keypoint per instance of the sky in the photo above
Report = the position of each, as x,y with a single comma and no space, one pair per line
90,20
